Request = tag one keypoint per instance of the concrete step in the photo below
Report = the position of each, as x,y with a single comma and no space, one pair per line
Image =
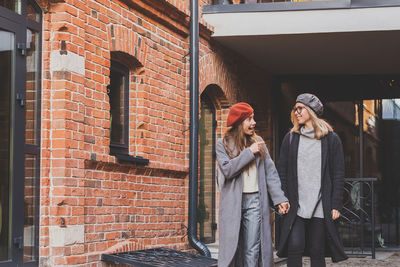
213,247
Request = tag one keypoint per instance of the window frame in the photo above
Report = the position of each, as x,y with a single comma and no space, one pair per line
206,100
115,147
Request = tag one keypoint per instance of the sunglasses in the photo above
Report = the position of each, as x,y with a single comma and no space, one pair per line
298,109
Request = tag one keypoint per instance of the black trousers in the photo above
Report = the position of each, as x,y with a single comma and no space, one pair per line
307,234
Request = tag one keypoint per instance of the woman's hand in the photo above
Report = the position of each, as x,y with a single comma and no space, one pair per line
284,207
335,214
255,147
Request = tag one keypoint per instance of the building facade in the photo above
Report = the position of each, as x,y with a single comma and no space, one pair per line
95,123
95,113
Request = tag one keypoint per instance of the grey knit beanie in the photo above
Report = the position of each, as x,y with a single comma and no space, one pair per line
312,102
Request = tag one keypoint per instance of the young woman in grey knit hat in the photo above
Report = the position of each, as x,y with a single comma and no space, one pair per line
311,168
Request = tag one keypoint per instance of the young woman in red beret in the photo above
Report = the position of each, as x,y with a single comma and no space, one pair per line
246,175
311,168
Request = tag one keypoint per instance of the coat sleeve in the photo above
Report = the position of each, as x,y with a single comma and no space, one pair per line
273,182
231,168
283,163
337,172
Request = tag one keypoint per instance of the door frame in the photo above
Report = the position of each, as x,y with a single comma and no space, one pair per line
16,137
19,24
34,149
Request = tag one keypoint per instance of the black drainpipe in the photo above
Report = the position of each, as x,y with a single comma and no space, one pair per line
194,129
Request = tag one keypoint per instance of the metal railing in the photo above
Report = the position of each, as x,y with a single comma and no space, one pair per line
158,257
309,3
357,226
236,6
236,2
227,2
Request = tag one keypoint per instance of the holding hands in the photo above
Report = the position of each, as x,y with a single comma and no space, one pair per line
283,207
335,214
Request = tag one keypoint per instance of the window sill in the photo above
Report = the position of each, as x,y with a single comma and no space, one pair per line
132,159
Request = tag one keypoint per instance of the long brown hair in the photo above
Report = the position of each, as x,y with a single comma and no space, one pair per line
240,140
321,126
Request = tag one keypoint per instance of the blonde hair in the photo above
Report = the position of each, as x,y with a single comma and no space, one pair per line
240,141
321,126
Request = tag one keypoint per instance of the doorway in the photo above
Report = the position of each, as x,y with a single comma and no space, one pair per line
365,112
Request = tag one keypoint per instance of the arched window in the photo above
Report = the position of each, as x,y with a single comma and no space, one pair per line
123,67
207,194
118,93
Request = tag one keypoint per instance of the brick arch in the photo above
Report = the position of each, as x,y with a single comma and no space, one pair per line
217,96
126,40
131,62
214,70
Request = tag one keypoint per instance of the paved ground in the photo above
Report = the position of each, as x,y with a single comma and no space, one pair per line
383,258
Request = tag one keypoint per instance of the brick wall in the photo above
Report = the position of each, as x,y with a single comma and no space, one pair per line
90,202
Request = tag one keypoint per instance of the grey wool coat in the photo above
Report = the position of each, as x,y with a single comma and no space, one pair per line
231,185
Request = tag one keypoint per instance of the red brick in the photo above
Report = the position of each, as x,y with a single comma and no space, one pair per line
80,182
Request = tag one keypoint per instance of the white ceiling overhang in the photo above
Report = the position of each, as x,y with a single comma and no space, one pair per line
319,37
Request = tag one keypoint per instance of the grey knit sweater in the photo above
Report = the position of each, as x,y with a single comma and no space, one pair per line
309,175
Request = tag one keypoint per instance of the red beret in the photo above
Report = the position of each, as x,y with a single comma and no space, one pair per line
238,113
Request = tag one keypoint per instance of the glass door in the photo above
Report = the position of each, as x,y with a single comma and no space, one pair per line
6,68
12,117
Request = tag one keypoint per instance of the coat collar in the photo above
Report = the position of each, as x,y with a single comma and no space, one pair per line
324,155
293,152
257,160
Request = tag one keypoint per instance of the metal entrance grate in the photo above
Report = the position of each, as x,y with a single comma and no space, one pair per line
160,257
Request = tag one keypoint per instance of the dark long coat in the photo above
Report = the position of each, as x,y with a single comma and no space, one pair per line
332,186
230,181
